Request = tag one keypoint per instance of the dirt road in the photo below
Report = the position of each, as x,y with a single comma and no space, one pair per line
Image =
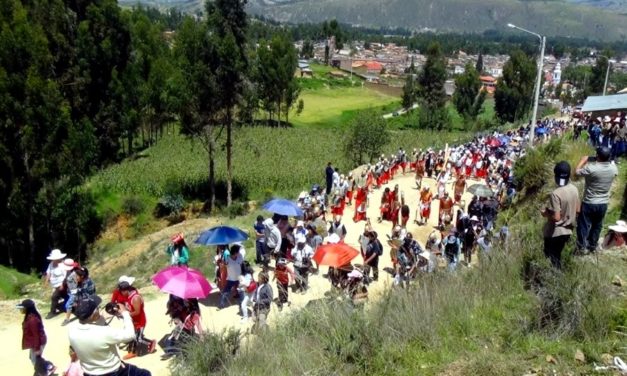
14,361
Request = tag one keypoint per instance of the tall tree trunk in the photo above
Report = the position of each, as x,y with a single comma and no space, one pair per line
30,217
212,183
278,114
229,154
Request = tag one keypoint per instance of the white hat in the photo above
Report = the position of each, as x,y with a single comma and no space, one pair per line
332,239
69,264
300,238
300,223
474,218
126,279
302,195
607,119
620,226
55,255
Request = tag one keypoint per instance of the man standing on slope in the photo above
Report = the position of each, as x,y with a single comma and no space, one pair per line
560,213
599,175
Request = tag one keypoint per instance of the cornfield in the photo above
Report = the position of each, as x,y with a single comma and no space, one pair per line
267,161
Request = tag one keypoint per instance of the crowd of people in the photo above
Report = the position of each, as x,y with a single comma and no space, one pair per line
285,248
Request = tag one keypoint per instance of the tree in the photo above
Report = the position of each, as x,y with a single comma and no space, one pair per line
432,94
197,105
468,97
479,65
366,137
228,23
410,90
277,63
514,91
307,51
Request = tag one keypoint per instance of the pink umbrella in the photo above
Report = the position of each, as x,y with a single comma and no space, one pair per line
183,282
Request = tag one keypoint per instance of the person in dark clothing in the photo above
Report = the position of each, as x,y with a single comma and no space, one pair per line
373,250
329,177
34,338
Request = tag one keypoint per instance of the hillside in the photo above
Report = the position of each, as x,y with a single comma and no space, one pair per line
548,17
614,5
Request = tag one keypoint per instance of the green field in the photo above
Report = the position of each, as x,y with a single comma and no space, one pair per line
334,101
333,107
267,161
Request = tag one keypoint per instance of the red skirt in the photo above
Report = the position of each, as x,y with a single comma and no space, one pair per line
349,196
359,216
425,210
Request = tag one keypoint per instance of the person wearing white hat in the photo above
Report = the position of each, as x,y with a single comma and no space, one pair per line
55,275
616,236
302,254
117,297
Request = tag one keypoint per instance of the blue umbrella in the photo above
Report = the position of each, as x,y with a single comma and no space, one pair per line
283,207
541,130
504,139
221,235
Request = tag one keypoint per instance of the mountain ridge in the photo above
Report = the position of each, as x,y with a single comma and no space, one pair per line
551,18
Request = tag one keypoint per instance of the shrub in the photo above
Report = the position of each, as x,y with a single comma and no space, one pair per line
532,171
133,206
207,354
170,204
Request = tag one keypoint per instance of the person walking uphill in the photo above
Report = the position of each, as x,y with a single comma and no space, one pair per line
233,272
560,213
34,338
95,342
599,173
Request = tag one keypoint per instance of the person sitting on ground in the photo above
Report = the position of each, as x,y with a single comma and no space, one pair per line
178,251
84,289
71,285
616,236
140,345
55,276
185,314
34,338
95,342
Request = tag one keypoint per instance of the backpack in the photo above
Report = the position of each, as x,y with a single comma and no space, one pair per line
379,247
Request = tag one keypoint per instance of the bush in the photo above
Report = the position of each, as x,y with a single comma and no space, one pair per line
133,206
207,354
170,204
532,171
236,209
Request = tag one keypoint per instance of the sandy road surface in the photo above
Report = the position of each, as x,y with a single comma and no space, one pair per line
14,361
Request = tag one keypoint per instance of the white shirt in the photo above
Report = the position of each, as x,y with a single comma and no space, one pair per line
299,254
56,274
234,268
96,345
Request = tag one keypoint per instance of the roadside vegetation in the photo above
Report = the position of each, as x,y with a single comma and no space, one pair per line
512,314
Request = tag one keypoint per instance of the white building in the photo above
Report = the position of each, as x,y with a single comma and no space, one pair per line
557,74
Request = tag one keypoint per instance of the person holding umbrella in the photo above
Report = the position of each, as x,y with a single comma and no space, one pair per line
233,272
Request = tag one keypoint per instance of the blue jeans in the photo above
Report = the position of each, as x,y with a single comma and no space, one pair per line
228,289
259,247
589,224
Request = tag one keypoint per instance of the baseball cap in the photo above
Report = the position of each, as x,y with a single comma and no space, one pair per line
300,238
86,307
562,173
27,303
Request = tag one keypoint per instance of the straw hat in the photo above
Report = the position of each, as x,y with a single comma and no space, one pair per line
620,226
56,255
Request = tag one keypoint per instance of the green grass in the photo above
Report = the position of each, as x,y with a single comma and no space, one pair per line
14,283
334,107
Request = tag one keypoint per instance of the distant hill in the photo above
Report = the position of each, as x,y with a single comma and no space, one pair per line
613,5
548,17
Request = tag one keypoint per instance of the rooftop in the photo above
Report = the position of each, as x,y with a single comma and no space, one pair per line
605,103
